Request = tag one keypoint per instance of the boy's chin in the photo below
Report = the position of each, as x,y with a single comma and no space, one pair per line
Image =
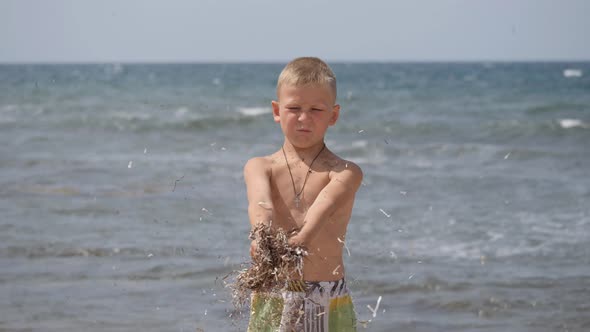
305,145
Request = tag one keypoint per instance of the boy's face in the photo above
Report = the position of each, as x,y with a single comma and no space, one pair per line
305,113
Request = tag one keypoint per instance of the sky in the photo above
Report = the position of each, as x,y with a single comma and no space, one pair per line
42,31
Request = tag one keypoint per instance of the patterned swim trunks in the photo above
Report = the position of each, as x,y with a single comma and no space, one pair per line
306,306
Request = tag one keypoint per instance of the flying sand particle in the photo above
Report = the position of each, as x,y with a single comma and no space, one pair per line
508,155
130,164
374,311
344,243
385,213
176,181
335,272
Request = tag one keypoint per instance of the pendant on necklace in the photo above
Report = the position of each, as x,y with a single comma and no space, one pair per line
297,201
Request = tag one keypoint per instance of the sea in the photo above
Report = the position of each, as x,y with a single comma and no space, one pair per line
123,205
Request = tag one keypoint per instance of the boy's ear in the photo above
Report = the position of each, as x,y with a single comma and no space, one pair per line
275,111
335,114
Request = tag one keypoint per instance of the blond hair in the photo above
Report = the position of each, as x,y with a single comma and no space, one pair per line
307,71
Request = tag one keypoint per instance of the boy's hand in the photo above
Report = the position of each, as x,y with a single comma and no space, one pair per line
298,244
296,241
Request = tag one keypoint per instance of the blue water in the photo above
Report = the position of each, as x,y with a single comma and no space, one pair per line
122,204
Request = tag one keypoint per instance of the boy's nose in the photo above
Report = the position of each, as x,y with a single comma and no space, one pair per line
303,115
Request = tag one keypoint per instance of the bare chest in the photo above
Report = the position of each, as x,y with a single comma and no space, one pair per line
294,191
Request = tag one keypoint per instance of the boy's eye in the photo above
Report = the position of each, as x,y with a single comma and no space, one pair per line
316,109
292,108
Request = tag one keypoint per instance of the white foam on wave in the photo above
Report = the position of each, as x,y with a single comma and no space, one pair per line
130,116
572,123
5,117
429,247
254,111
359,144
17,108
113,69
8,108
572,72
495,246
181,111
7,120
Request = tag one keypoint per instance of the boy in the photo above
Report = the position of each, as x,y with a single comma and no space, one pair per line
307,189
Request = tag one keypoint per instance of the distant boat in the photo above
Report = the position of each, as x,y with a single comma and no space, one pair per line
572,73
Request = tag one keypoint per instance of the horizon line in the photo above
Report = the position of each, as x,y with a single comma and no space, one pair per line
335,61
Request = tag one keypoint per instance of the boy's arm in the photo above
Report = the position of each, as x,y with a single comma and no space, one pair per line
257,178
341,189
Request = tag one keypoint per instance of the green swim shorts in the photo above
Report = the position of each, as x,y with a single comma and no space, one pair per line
306,306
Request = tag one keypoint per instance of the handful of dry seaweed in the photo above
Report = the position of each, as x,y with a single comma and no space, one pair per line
275,262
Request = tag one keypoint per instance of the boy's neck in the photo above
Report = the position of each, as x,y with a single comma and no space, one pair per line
304,154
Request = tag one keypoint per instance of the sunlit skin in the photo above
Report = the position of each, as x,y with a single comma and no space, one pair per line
304,114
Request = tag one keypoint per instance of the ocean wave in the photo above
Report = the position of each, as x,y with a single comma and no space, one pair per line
46,251
7,120
532,128
572,123
132,191
50,251
572,72
168,271
214,122
556,107
9,108
254,111
182,119
423,285
354,149
181,112
131,116
513,129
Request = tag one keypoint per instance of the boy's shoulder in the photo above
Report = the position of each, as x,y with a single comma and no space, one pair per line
339,167
258,164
